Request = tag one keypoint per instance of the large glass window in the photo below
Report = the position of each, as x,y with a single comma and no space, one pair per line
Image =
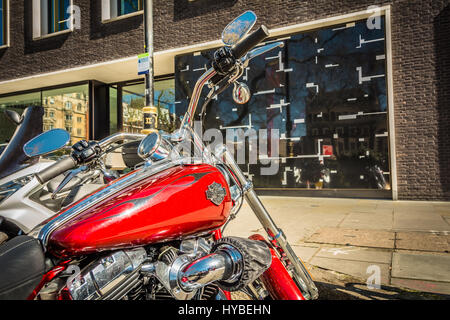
133,101
67,108
325,92
3,22
164,91
16,103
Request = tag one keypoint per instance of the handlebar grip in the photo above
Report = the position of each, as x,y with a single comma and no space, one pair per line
241,48
56,169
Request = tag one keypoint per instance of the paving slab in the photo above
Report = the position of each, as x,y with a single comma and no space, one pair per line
420,241
447,219
364,206
412,219
421,266
305,253
356,253
363,220
422,285
354,237
442,208
359,269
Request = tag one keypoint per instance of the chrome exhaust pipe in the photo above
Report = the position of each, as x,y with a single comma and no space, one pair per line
233,264
183,277
225,265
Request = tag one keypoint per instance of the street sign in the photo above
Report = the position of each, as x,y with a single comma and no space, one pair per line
143,63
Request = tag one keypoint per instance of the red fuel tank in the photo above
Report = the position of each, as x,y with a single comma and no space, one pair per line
166,206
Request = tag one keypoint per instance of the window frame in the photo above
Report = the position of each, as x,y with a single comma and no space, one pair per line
6,25
106,12
37,22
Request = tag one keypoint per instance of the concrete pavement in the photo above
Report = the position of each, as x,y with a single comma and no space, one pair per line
402,244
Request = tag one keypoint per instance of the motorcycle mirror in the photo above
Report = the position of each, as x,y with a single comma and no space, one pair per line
154,147
46,142
13,116
238,28
241,93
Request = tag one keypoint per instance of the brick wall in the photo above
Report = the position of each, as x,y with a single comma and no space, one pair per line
421,62
94,42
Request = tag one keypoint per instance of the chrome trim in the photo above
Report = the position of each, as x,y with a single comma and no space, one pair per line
225,264
156,150
43,231
235,193
119,136
237,262
188,117
186,275
168,276
195,247
110,277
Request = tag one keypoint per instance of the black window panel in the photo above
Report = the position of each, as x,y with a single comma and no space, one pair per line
326,93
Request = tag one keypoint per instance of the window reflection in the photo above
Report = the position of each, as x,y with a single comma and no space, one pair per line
55,16
133,101
67,108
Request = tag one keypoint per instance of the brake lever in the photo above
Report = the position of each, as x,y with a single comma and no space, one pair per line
260,50
67,179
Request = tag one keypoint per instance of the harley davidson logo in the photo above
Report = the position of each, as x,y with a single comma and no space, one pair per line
216,193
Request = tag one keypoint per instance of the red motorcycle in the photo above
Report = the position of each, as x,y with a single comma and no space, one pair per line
156,232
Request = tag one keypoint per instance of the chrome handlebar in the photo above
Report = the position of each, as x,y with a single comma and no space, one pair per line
210,73
119,137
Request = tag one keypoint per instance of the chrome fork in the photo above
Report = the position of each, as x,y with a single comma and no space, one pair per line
300,274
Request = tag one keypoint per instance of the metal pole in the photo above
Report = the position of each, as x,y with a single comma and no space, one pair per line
150,111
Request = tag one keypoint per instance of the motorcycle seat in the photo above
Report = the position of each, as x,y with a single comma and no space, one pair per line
22,266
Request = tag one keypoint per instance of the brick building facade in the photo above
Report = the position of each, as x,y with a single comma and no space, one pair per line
420,43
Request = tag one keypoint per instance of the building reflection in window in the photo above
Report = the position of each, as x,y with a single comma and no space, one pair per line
67,108
133,101
326,93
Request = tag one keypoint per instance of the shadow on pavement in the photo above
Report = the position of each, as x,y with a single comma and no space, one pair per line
359,291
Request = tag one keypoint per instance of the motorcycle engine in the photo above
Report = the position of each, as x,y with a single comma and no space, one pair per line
191,269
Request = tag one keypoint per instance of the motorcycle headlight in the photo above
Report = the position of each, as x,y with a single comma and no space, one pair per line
7,189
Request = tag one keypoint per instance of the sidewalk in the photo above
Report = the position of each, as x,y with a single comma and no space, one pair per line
406,243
